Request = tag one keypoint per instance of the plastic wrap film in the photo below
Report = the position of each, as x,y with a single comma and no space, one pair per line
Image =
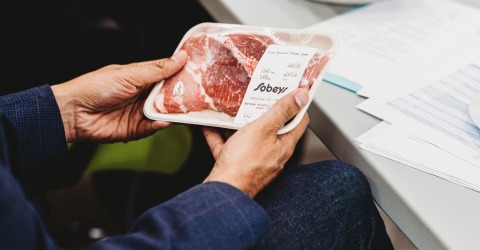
223,58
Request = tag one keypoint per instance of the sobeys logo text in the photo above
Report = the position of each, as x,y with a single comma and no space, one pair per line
278,90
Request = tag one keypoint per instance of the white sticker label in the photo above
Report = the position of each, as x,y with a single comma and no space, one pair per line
278,73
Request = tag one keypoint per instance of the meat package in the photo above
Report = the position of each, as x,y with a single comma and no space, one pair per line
234,73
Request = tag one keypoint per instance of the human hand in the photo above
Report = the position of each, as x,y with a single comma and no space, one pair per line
255,154
106,105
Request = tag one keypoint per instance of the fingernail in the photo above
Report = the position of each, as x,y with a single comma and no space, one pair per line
301,98
179,55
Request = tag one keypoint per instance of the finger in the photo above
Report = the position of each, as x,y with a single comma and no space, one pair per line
293,136
148,127
109,67
145,63
149,72
214,140
284,109
157,125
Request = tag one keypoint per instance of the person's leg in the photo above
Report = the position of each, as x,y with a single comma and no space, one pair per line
326,205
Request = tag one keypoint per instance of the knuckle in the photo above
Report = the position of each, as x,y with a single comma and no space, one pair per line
110,67
285,109
307,118
113,66
159,64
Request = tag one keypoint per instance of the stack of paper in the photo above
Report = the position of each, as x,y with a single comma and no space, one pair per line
386,43
418,62
430,126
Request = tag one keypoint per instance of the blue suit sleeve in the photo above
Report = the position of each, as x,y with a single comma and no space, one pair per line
208,216
21,226
40,138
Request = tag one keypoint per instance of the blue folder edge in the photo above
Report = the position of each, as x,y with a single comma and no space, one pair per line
341,82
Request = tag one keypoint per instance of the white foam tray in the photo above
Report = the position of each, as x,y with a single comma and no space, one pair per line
324,41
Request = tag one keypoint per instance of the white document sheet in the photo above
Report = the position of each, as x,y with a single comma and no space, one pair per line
398,144
389,42
437,111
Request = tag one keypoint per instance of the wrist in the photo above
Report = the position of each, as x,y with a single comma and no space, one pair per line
67,106
249,190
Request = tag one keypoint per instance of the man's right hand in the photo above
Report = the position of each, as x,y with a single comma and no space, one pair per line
255,154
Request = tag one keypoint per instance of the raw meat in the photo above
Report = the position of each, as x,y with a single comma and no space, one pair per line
219,69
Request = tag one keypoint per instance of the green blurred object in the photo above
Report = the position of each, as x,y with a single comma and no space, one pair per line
165,152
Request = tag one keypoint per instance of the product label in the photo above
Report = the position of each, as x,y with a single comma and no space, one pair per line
278,73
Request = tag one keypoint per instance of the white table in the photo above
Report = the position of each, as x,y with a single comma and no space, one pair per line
432,212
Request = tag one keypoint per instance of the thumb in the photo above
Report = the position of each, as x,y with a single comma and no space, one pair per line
154,71
284,109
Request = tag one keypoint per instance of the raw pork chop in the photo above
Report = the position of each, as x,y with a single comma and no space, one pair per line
217,74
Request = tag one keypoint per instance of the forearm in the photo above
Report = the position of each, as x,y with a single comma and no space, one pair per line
211,215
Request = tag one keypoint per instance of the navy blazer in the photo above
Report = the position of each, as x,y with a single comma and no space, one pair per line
33,157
